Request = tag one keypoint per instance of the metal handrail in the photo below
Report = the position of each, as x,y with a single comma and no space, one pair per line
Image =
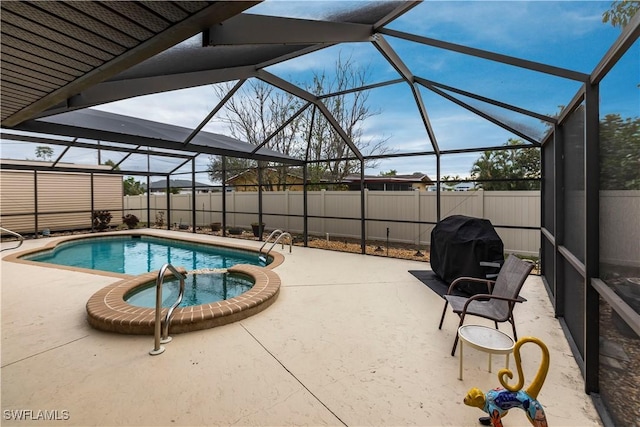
280,236
157,348
13,233
273,233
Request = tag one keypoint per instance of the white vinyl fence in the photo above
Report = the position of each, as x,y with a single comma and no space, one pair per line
398,211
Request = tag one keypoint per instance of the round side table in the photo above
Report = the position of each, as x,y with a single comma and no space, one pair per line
485,339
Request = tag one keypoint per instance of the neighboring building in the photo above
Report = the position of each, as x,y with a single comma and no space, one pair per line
248,181
461,186
184,186
415,181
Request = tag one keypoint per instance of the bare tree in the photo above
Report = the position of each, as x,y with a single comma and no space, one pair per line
253,114
350,111
257,110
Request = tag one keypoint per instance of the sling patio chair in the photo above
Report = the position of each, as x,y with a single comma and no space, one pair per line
498,304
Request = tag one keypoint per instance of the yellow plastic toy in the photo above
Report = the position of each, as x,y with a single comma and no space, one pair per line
498,401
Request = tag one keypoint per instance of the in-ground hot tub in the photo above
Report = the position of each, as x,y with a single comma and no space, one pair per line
107,309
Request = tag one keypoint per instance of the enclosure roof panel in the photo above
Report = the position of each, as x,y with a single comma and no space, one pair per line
101,125
35,164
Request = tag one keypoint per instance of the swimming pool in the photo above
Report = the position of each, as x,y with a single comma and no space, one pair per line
137,254
108,310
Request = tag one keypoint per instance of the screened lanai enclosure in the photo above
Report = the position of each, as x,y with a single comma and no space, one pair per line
296,114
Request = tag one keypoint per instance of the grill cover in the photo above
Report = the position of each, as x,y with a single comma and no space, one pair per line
458,244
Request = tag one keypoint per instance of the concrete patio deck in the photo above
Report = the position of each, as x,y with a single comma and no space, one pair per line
351,340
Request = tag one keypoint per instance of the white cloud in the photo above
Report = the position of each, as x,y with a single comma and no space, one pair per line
535,30
187,107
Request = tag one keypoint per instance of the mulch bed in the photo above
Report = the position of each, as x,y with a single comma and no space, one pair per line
395,250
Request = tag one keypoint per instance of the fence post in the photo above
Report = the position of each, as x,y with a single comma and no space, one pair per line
286,209
233,207
323,192
366,214
416,210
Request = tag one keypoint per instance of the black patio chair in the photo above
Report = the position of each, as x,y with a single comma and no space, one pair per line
498,304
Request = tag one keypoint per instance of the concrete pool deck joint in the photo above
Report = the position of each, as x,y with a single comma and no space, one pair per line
108,311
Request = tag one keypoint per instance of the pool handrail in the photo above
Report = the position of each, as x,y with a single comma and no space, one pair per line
164,323
14,234
282,234
273,233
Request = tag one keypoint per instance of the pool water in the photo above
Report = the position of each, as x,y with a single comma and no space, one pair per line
198,289
141,254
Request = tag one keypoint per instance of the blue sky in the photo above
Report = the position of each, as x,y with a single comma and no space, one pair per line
566,34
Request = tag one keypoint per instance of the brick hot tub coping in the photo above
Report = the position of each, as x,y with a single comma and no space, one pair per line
107,309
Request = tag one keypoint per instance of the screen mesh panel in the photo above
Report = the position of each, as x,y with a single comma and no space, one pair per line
548,264
548,181
619,356
574,196
574,305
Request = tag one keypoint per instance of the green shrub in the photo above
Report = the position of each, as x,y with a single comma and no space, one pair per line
130,220
101,219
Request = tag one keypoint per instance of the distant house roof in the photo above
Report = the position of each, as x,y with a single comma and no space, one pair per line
179,183
293,172
350,179
413,178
